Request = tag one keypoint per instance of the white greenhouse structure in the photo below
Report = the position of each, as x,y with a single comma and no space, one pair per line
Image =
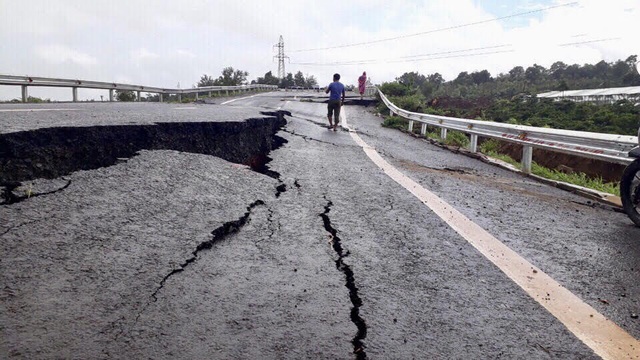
600,96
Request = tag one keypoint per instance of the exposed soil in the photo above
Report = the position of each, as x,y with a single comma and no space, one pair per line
53,152
609,172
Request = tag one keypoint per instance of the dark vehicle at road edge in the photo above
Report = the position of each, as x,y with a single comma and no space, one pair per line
630,186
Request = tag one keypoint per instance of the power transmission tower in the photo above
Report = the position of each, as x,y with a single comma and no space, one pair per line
281,56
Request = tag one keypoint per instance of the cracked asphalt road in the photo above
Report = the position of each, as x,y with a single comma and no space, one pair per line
85,269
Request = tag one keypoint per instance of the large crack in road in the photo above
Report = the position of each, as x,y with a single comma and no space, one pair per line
226,229
53,152
358,344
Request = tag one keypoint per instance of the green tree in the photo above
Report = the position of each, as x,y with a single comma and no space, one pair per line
463,79
206,80
535,74
268,79
481,77
287,82
435,79
231,77
125,95
298,79
557,69
517,73
412,79
310,81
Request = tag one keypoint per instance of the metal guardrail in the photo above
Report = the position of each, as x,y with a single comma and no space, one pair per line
607,147
74,84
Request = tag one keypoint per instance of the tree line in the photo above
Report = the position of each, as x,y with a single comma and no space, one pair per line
510,97
232,77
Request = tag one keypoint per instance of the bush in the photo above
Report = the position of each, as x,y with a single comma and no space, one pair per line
490,146
433,135
456,138
382,108
396,122
394,89
414,103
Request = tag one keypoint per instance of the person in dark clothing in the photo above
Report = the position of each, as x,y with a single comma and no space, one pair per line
336,99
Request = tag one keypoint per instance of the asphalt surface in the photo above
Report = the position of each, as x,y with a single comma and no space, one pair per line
173,254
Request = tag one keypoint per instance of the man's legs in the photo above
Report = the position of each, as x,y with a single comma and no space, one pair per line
330,113
336,116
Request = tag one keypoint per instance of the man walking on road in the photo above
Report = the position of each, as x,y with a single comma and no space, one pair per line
336,99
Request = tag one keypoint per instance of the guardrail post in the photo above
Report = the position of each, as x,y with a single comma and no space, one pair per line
443,134
423,129
527,158
25,94
473,143
410,125
138,96
74,91
110,95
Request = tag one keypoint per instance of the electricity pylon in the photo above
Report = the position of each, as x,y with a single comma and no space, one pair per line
281,56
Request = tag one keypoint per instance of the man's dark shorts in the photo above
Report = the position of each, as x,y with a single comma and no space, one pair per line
334,106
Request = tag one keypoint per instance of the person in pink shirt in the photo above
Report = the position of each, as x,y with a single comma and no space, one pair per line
362,81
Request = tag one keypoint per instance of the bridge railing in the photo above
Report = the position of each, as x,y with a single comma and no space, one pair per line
607,147
26,81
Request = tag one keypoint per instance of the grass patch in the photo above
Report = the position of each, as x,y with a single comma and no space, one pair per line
490,146
580,179
456,138
396,122
434,136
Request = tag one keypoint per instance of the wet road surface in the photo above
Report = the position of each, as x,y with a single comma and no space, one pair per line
173,254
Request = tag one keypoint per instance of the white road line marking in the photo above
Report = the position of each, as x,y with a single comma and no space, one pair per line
283,106
232,100
602,335
185,108
29,110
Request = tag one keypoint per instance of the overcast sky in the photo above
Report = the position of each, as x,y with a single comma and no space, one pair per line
166,43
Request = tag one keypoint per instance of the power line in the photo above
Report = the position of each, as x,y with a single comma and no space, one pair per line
359,62
432,56
367,62
456,51
588,41
436,30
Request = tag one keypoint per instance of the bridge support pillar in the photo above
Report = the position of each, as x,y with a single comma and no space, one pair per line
410,125
209,93
390,112
473,144
227,92
25,94
423,129
160,97
179,98
527,158
196,96
110,95
74,91
138,96
443,134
